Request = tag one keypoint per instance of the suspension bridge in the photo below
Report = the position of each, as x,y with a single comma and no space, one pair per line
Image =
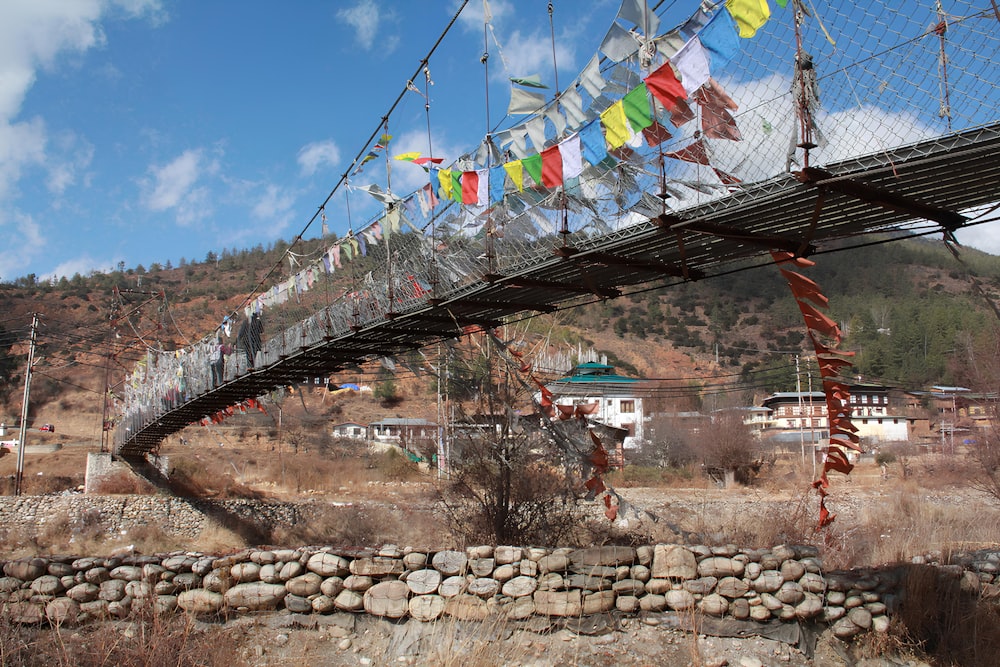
678,153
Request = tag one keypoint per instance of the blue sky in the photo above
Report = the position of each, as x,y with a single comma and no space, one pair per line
146,131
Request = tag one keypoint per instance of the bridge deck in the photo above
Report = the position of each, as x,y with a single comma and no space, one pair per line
934,180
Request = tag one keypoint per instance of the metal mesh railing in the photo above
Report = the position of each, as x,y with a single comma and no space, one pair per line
871,77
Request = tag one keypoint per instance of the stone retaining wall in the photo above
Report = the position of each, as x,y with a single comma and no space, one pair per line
116,515
751,585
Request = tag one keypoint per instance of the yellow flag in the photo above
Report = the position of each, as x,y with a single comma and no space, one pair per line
444,178
749,15
516,172
409,157
615,125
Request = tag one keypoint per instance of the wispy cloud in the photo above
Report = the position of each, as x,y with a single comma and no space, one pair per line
174,181
33,35
319,153
175,186
368,21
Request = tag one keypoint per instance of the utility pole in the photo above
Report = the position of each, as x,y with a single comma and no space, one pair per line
798,391
24,407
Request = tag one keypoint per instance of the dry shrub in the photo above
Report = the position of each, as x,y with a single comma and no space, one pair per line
146,640
214,538
366,526
951,626
124,482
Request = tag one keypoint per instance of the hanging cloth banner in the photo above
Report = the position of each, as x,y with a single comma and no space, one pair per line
638,13
552,173
444,179
470,188
515,169
571,102
721,39
594,145
591,79
749,15
618,43
572,159
497,183
615,125
533,165
524,101
636,106
665,87
456,185
692,64
694,152
716,121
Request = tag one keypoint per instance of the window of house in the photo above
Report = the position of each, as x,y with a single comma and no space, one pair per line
627,406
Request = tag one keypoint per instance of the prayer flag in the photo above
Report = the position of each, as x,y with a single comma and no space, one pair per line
572,159
498,177
470,188
663,84
692,64
749,15
720,38
524,102
693,152
552,173
456,185
594,146
444,179
636,105
515,170
533,81
407,157
615,125
533,165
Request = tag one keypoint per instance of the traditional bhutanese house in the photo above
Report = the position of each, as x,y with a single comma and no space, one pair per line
878,421
412,434
350,430
797,419
801,417
596,392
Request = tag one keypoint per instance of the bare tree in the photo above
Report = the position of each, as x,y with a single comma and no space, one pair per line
728,448
508,483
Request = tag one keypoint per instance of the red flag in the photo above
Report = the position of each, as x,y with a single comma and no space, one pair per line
830,367
470,187
716,121
826,350
656,134
804,288
565,411
425,160
817,321
694,152
552,176
787,257
727,179
665,87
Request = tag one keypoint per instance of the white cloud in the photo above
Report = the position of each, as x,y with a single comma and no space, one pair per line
985,237
319,153
33,34
274,207
22,145
472,17
21,241
174,181
527,54
368,22
83,265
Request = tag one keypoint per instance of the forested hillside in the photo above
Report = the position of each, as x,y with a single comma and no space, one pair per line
914,314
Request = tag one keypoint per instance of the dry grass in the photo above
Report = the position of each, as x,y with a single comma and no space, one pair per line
146,640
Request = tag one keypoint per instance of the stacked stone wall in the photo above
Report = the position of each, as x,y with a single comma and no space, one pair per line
784,583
